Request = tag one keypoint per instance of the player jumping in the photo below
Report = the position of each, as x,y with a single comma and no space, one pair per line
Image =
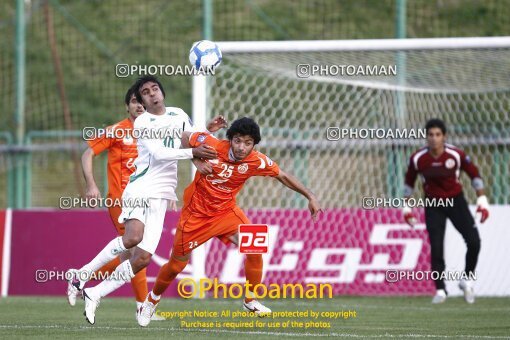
121,155
210,208
154,180
439,165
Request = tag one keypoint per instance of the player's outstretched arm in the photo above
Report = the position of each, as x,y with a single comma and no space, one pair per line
202,166
91,191
293,183
162,153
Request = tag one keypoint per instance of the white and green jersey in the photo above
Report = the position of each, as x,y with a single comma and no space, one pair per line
158,144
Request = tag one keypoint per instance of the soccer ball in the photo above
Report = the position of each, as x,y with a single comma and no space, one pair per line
205,55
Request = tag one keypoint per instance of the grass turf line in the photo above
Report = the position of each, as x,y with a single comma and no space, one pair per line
377,317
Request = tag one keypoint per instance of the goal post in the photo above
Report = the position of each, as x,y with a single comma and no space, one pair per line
464,81
364,45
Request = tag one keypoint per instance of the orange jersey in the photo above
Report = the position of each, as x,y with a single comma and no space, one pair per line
122,153
215,194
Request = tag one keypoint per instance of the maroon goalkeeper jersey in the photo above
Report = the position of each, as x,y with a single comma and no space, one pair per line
440,176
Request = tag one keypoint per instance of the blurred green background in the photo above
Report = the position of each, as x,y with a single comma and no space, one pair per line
74,46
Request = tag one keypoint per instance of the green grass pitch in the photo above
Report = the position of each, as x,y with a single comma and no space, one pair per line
376,317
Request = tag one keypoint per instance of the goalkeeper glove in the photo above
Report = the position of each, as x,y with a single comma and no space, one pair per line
482,208
409,216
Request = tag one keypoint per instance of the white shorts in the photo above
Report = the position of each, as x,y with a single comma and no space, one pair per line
152,216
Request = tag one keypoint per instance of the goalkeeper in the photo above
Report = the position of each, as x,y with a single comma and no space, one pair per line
439,165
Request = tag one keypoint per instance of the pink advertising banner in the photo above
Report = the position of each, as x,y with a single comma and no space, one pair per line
354,250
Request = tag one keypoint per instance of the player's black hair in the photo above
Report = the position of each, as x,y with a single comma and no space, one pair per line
129,93
435,123
245,127
141,81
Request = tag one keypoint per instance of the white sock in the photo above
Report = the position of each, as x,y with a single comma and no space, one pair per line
122,274
154,296
111,251
138,305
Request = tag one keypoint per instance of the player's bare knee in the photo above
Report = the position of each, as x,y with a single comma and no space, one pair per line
133,234
141,261
131,240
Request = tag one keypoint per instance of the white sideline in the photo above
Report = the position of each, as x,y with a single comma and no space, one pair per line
205,330
362,44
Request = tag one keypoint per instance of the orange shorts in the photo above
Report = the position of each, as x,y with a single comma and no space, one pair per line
192,231
114,215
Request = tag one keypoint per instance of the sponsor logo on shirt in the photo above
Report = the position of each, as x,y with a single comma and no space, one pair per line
450,163
201,138
216,181
242,168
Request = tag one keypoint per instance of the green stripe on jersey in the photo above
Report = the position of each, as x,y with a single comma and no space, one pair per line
133,178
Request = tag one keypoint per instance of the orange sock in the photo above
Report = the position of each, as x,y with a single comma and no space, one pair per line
167,274
139,285
107,268
253,269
